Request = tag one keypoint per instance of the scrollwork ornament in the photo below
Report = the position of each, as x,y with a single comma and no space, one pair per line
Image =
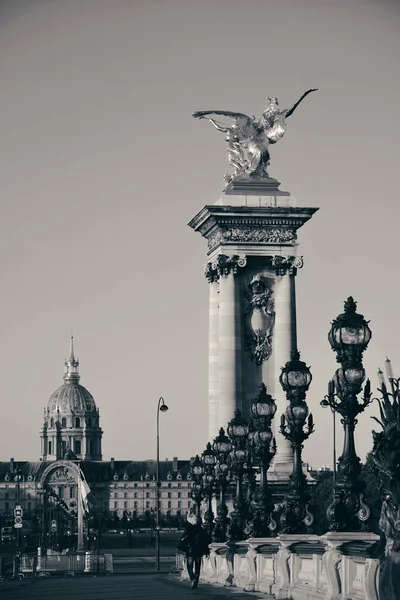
309,518
230,264
211,272
364,510
287,264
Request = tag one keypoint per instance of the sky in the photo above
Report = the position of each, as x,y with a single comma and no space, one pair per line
102,167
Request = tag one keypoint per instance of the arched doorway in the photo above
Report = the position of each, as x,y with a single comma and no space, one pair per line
62,518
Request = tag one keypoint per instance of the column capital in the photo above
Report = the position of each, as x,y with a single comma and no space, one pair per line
223,265
287,264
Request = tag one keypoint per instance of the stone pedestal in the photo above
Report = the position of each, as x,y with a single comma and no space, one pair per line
251,233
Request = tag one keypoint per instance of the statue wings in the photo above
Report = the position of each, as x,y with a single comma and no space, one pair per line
245,125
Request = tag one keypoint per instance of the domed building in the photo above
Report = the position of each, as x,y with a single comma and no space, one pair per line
71,427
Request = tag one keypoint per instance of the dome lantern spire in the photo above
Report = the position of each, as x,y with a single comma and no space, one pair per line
71,374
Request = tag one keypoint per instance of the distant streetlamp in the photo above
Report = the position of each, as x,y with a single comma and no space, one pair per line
161,407
238,431
295,380
263,447
222,447
349,337
197,493
209,460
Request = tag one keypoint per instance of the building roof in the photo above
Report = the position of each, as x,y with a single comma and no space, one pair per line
98,471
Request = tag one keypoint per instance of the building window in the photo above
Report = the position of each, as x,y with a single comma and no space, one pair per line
63,422
125,495
6,496
61,492
125,505
147,494
135,504
169,485
77,446
77,422
6,506
51,422
147,485
189,485
179,504
63,448
125,485
189,504
179,485
147,504
135,495
116,505
115,495
49,447
169,495
135,485
169,503
71,492
179,494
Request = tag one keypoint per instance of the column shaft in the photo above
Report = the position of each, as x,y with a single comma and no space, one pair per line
213,359
228,349
285,341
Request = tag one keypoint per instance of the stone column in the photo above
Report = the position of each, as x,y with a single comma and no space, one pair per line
213,352
285,342
229,336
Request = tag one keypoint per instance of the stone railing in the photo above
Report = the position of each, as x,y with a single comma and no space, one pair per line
335,566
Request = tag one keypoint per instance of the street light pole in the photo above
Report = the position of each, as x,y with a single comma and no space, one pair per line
161,407
324,403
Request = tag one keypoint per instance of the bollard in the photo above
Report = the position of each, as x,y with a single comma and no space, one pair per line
39,559
87,568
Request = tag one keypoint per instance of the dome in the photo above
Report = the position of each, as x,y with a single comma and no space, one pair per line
71,398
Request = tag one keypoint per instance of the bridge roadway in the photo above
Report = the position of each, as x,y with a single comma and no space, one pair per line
144,586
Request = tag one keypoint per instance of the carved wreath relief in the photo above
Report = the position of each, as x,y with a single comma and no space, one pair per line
262,317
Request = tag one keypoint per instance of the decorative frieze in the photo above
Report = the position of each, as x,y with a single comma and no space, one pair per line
284,264
254,235
224,265
261,318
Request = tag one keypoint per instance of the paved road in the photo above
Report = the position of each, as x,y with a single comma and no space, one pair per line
118,587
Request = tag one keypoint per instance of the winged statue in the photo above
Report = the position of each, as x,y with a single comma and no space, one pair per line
248,139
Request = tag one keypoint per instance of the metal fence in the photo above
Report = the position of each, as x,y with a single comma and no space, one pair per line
179,561
66,563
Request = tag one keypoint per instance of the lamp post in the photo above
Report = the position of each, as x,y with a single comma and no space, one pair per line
197,493
324,403
263,447
349,337
222,447
238,430
161,407
209,460
295,379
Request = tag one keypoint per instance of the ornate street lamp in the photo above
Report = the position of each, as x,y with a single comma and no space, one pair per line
161,407
197,493
222,447
295,379
349,337
263,447
209,460
238,430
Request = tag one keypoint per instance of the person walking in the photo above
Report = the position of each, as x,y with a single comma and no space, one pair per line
194,544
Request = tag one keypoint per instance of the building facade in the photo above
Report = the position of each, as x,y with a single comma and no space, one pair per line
71,433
